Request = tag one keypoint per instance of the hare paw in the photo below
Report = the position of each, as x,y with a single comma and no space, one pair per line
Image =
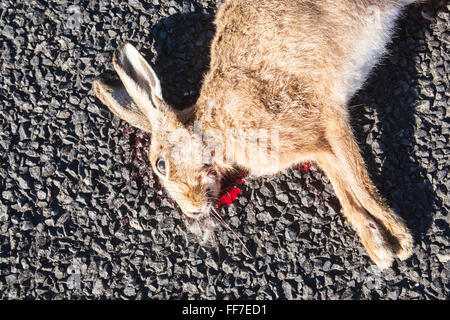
380,251
405,246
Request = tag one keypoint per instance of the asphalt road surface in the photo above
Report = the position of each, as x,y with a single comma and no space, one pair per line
82,215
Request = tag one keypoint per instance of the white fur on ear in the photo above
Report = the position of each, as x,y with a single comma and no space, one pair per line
140,81
140,65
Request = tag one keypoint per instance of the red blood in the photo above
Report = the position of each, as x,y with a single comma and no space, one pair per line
228,198
305,167
230,191
128,130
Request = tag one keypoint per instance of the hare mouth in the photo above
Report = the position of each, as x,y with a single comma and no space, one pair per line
229,188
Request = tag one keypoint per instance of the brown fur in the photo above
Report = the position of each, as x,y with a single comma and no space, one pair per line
281,65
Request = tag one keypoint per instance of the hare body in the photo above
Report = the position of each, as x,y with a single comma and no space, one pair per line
286,70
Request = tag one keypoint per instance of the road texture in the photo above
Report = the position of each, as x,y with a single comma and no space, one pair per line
82,215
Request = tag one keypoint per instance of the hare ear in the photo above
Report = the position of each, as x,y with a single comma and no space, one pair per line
116,98
140,81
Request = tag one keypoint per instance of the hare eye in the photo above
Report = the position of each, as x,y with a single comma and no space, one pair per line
161,166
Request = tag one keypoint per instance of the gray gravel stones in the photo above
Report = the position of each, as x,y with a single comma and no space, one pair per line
81,216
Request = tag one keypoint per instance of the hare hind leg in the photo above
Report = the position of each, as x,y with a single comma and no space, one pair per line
368,229
382,232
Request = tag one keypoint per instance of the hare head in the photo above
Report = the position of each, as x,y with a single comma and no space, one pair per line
176,149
